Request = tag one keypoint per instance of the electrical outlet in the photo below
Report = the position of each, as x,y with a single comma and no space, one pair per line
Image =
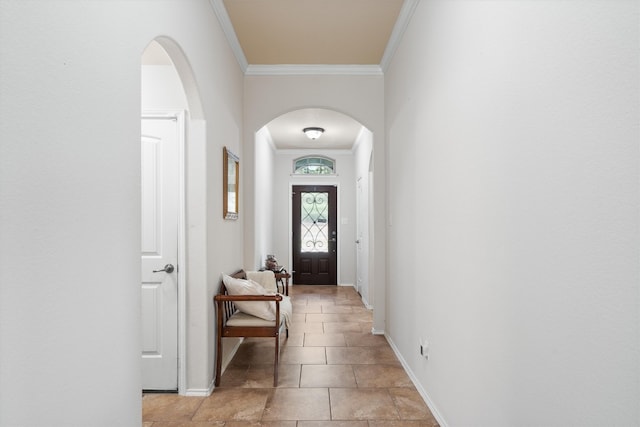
424,349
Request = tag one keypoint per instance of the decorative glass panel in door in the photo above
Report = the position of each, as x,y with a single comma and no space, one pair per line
314,235
314,211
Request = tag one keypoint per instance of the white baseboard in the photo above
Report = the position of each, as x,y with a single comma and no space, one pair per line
414,379
346,284
200,392
375,331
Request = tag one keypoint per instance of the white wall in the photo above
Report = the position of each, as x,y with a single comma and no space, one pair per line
267,210
361,97
345,182
162,89
70,202
513,144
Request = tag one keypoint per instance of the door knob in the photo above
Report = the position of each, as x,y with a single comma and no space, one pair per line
167,269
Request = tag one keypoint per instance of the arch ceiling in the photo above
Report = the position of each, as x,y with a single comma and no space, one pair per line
340,132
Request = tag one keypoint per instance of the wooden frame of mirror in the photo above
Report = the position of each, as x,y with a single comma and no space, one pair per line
230,184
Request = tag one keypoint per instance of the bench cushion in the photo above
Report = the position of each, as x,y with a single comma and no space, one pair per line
243,319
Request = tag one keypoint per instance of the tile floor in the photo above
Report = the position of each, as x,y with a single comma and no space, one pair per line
333,372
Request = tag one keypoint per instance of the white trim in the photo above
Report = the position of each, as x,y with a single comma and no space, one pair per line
347,284
182,253
416,382
200,392
313,69
408,7
229,32
369,307
355,145
269,138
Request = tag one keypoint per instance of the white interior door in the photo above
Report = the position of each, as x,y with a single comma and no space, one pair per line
159,278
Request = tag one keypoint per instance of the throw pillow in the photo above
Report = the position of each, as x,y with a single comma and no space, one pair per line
263,309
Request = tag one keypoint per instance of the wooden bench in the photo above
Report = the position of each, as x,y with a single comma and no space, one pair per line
233,323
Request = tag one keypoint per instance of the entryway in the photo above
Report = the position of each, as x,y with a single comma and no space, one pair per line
315,234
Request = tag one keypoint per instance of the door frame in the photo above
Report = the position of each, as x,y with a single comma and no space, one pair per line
181,117
332,182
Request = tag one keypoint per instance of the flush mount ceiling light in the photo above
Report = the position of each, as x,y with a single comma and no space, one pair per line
313,133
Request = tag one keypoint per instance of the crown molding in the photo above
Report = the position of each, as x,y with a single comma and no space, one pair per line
313,69
408,7
229,32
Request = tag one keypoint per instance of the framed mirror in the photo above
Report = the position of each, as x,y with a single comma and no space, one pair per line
230,184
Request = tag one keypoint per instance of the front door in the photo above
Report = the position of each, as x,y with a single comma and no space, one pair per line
315,238
159,276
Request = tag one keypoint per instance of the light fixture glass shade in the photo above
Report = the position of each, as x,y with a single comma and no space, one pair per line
313,133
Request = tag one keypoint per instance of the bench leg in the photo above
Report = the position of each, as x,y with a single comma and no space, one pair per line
276,363
218,359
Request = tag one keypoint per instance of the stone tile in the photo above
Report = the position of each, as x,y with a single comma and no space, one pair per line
234,376
362,404
354,339
294,340
337,309
366,383
188,424
304,355
333,424
330,317
410,404
358,317
255,351
324,340
298,317
241,404
169,407
300,328
298,404
331,327
360,355
366,327
261,376
404,423
381,376
327,376
260,424
353,302
314,308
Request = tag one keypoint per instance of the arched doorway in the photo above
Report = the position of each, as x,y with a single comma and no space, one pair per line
278,144
171,120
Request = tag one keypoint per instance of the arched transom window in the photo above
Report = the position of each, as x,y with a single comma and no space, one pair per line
314,165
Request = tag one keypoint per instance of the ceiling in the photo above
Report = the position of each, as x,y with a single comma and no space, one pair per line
275,32
313,37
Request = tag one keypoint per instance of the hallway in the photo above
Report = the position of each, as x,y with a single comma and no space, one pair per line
333,372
